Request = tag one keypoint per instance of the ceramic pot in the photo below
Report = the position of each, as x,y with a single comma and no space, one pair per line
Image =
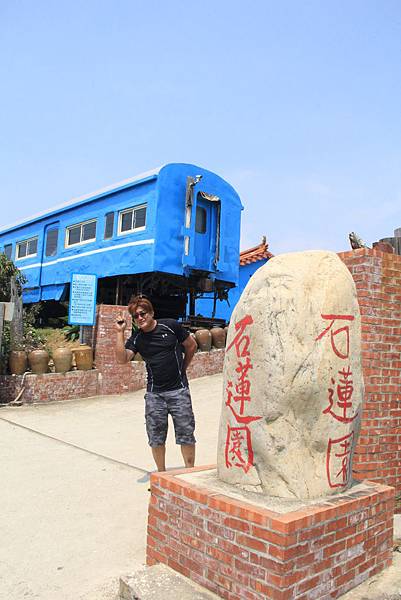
17,362
38,361
218,337
193,336
204,339
226,333
62,358
83,357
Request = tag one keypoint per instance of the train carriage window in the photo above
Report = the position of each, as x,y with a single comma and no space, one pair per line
74,235
27,248
139,217
8,249
89,231
51,242
109,226
200,220
126,221
81,233
132,219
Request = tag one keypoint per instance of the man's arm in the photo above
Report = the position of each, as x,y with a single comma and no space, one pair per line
190,347
123,355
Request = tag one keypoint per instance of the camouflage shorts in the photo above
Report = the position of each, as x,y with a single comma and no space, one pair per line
157,408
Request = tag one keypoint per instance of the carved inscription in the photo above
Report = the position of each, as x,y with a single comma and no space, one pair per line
340,400
238,446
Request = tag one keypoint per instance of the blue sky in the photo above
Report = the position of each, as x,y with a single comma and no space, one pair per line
296,104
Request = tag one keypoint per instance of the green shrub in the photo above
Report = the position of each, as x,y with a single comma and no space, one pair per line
7,271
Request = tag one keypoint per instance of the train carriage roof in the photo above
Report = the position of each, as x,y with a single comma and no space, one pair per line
115,187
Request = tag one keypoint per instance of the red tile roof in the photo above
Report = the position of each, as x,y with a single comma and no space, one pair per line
256,253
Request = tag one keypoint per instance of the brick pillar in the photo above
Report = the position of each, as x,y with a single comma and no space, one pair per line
377,276
115,378
105,335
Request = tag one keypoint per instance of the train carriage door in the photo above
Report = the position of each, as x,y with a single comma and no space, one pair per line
47,276
206,231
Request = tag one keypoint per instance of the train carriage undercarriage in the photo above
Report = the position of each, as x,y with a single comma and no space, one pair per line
172,296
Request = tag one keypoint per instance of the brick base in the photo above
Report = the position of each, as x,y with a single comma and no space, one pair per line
240,550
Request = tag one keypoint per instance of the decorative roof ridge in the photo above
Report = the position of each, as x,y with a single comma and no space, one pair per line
256,253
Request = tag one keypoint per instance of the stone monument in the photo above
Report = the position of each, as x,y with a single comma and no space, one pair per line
293,383
280,517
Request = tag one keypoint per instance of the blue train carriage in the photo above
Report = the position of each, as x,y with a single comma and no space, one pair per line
171,233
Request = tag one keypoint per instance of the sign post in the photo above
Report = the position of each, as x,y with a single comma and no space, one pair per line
82,309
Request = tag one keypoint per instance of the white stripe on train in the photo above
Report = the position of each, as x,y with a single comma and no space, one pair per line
65,258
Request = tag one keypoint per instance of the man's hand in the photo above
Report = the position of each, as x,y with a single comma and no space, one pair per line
122,354
120,323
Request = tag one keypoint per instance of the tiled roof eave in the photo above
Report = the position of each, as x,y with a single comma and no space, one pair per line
255,254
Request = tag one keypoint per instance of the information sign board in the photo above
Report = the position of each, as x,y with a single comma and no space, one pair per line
82,309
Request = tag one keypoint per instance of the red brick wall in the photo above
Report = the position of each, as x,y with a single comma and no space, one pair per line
49,386
239,550
10,385
377,276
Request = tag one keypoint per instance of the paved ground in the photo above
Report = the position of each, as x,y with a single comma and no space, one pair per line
74,479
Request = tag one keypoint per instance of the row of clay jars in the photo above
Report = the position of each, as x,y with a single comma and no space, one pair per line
205,338
39,360
62,358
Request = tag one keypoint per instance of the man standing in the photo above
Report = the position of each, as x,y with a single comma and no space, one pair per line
167,349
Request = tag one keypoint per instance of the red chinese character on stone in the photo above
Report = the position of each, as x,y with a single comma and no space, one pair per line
243,385
238,450
240,341
339,408
243,368
338,460
334,333
242,389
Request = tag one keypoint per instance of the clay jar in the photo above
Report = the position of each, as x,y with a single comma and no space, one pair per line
204,339
17,362
218,337
62,358
193,336
38,361
83,357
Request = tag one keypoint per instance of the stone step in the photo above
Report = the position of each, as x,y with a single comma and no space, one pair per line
159,582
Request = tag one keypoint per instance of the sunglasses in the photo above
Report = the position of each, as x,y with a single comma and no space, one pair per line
141,314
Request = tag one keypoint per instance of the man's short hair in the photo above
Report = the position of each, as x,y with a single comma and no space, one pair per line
140,301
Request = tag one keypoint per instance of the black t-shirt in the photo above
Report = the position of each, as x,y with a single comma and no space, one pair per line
162,352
